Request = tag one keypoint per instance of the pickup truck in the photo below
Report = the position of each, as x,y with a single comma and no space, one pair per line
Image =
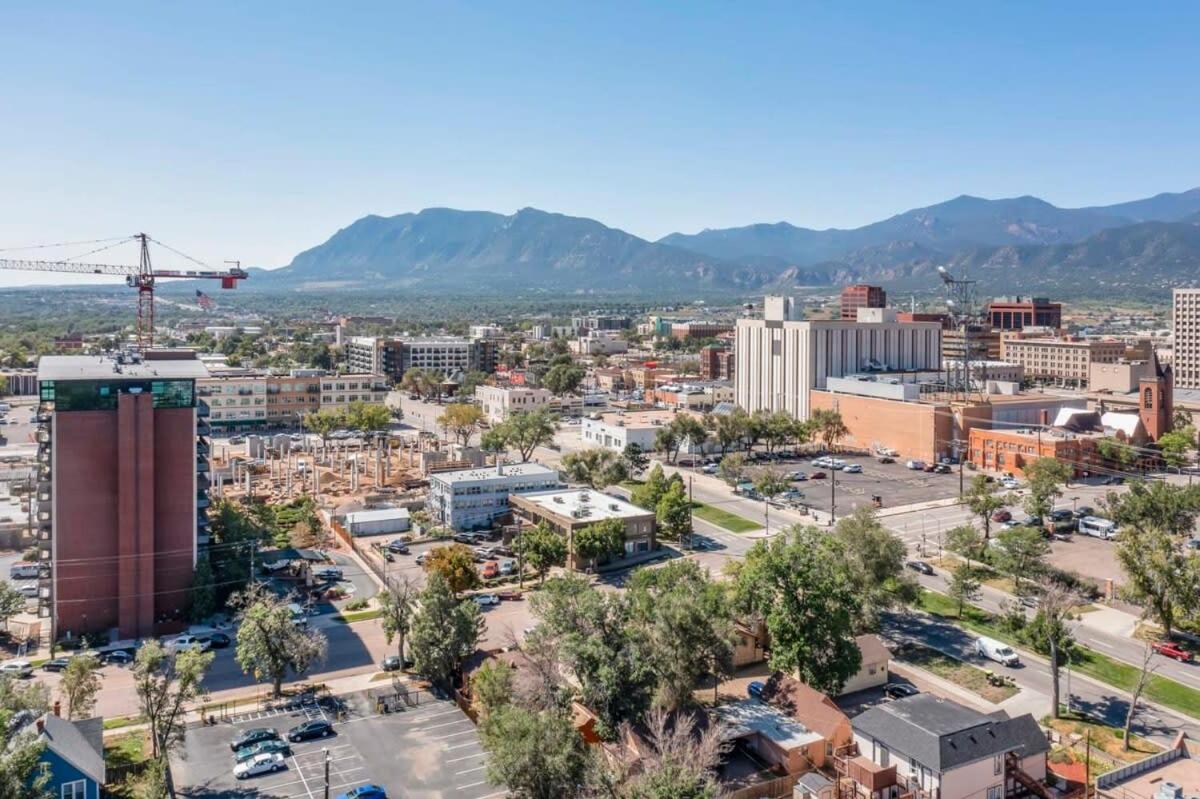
1170,649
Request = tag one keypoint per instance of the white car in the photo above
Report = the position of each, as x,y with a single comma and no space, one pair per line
185,643
1010,484
483,600
265,763
17,668
29,590
853,468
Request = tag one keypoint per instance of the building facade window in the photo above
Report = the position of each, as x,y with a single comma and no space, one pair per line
76,789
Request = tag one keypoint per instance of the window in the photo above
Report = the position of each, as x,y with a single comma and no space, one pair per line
78,790
996,792
997,766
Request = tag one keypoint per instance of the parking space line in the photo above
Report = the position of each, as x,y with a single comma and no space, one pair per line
469,770
467,757
472,785
300,771
460,746
494,795
454,734
443,724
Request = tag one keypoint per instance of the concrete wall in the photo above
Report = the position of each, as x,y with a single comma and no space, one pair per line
913,429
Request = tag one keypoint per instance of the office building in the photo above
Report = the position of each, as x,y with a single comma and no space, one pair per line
339,392
861,296
473,499
123,483
716,362
1066,361
1017,313
567,511
500,402
695,329
780,358
983,341
241,400
447,355
596,342
1185,326
619,429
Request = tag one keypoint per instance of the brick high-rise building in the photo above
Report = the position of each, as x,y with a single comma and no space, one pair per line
122,487
1018,313
861,295
1185,325
716,362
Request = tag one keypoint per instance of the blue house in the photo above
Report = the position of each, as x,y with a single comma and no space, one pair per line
74,755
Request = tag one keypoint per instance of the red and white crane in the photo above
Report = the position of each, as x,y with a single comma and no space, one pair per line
141,277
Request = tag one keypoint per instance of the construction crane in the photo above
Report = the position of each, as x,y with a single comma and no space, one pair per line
141,277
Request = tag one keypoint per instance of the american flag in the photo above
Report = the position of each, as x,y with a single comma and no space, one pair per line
204,301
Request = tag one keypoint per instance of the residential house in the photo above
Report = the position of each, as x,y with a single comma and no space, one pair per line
74,755
772,735
932,748
815,711
873,672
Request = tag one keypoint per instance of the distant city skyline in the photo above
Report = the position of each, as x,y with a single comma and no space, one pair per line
255,132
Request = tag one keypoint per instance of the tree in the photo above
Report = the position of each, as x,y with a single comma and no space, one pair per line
1139,685
445,630
397,605
687,620
322,423
270,643
525,432
426,383
728,429
12,602
1176,445
668,442
635,459
541,549
874,558
650,492
456,565
165,685
1050,635
982,500
461,420
681,761
563,378
471,381
368,418
492,685
605,537
690,431
1046,476
829,425
1117,453
1019,551
964,586
596,467
674,512
964,541
778,429
80,684
799,583
534,754
770,483
733,468
202,601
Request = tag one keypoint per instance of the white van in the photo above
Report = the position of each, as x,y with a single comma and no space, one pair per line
916,466
299,616
23,571
1097,527
994,650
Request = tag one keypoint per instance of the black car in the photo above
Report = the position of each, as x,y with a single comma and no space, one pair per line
1112,481
1061,515
217,640
316,728
117,657
398,546
920,566
254,736
1084,510
58,664
899,690
329,573
390,663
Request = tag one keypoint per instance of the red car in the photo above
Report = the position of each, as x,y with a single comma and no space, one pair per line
1001,515
817,476
1172,650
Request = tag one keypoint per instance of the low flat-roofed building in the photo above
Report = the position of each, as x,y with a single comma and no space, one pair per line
617,430
567,511
772,734
499,402
1170,774
469,499
378,521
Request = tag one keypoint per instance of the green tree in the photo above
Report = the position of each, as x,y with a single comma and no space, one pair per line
728,429
668,442
964,586
1116,453
445,630
461,421
756,428
1046,476
635,459
674,513
982,500
1176,445
733,468
236,534
829,425
563,378
965,542
595,467
542,549
1019,552
202,601
779,428
770,483
874,557
599,539
165,685
1049,634
687,619
534,754
690,431
12,602
269,642
368,418
322,423
525,432
492,685
800,584
650,492
471,381
80,685
456,565
397,606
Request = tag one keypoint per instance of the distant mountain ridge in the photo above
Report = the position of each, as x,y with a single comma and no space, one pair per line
1022,241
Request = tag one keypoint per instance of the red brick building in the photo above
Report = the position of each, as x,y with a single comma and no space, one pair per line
1017,313
122,490
716,363
861,295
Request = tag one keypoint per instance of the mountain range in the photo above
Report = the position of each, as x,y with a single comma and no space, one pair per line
1021,243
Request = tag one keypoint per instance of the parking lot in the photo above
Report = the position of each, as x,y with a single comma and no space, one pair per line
428,750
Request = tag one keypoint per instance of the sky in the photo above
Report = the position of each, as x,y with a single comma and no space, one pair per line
253,131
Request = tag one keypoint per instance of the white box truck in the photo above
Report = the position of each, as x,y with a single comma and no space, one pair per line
1097,527
995,650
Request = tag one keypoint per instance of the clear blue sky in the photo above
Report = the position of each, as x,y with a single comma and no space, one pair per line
255,130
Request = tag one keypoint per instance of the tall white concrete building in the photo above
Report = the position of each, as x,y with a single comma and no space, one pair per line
1185,322
781,357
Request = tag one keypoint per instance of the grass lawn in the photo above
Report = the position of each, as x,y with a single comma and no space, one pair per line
1117,673
723,518
122,750
962,674
1108,740
359,615
117,722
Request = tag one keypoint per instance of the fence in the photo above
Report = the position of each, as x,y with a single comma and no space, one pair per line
769,789
1115,776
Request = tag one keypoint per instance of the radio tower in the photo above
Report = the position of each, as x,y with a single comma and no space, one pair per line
960,302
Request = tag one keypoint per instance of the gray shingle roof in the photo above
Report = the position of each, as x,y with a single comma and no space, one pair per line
74,743
942,735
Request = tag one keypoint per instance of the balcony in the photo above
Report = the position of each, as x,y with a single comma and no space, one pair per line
202,502
202,449
202,409
202,466
44,515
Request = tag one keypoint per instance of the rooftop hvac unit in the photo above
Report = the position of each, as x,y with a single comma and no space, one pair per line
1169,790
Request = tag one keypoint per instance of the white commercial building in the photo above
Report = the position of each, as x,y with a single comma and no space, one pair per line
498,402
472,499
1185,323
378,522
781,357
599,342
619,429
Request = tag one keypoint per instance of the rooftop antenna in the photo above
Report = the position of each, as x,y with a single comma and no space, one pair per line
960,303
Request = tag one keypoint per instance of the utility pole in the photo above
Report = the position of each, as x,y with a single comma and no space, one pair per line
326,750
832,495
691,515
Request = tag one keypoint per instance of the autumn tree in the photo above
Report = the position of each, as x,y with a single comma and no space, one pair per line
455,563
461,420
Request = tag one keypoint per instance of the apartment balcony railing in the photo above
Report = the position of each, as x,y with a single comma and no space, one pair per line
202,409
